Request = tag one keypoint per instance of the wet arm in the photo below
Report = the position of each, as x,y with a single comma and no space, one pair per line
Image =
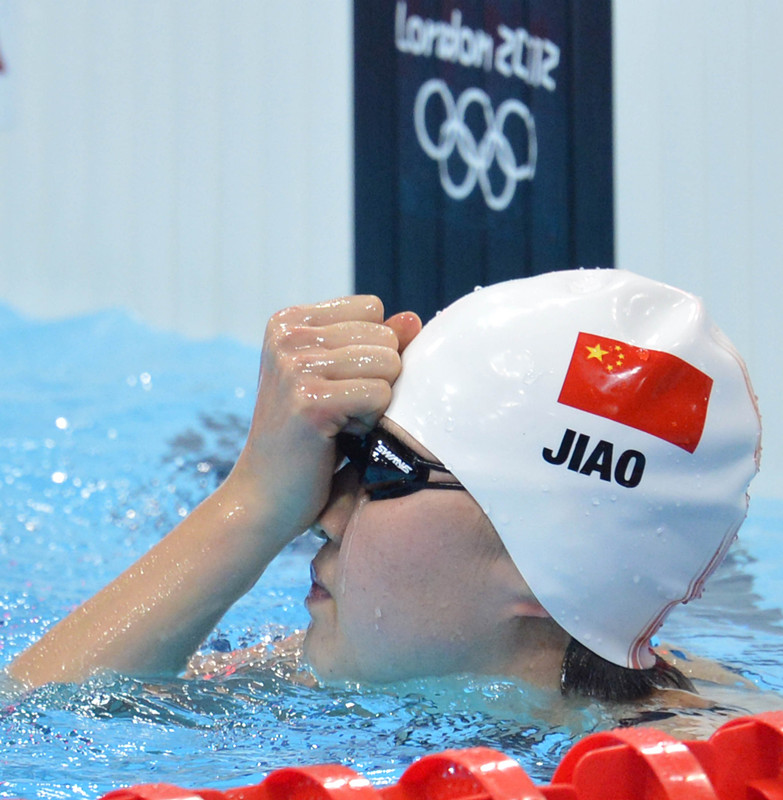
149,619
325,368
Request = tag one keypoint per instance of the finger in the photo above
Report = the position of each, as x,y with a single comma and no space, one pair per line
334,336
406,325
353,405
355,307
356,361
368,402
345,334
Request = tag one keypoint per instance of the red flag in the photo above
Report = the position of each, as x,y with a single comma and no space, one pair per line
649,390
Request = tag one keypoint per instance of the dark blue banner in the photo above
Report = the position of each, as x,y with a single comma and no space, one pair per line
483,144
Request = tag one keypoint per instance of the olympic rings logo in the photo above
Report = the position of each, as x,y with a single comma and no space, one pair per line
478,156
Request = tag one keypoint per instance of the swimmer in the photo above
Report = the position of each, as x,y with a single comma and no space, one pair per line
524,488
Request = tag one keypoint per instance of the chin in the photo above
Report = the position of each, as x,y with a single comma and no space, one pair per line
331,660
318,651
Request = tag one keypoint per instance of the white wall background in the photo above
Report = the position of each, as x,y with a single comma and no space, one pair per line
188,159
191,160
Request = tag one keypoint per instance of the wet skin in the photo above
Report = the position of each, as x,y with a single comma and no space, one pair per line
416,585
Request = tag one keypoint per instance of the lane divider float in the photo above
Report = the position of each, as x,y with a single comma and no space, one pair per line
742,760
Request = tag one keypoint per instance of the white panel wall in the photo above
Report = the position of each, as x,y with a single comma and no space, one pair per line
188,159
699,172
191,159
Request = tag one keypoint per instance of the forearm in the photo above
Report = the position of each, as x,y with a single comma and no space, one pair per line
326,368
154,616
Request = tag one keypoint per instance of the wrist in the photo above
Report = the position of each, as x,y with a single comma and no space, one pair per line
255,509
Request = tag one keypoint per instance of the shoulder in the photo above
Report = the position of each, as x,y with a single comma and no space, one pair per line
281,658
702,669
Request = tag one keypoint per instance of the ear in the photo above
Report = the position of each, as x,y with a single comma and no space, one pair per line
529,607
519,600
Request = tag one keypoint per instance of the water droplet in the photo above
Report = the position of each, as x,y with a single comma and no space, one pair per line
477,288
531,376
586,281
636,578
378,613
596,501
448,425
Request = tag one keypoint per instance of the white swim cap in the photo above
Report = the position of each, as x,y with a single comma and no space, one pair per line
607,428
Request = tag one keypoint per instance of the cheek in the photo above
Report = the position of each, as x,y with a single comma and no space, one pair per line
404,566
371,571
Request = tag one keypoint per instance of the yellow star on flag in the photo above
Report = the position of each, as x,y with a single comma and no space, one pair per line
596,352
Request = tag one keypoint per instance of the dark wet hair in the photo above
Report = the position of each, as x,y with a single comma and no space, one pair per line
587,674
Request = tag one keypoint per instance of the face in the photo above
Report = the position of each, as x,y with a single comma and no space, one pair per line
408,586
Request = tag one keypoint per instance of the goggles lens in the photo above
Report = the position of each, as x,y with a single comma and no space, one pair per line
388,468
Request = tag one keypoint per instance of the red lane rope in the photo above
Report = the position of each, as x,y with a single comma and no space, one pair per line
742,760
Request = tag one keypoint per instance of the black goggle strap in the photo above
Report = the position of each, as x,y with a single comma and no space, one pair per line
380,450
384,461
352,448
384,491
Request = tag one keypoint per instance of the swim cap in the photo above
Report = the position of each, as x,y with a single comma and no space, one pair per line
608,430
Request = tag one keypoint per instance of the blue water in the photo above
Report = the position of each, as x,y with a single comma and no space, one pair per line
110,432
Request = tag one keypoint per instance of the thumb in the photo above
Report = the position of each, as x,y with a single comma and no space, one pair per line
406,325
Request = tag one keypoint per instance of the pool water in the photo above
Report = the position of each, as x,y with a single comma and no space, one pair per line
110,432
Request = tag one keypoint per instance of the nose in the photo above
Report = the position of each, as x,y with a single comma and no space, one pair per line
343,500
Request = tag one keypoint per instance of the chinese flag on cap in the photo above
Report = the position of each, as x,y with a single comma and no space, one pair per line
649,390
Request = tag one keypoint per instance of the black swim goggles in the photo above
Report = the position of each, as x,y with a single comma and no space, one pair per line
387,468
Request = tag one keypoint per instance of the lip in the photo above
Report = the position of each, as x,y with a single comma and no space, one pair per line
318,591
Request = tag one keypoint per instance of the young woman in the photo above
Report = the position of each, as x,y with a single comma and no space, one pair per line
552,465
